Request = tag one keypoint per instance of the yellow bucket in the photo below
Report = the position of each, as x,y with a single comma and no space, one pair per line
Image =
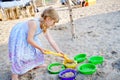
71,65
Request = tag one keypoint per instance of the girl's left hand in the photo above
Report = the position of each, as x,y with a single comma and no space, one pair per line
63,55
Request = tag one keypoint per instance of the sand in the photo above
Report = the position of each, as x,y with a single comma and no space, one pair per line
97,33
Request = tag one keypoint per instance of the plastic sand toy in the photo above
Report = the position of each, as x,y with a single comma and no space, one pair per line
59,54
87,68
67,74
96,59
80,57
55,68
71,65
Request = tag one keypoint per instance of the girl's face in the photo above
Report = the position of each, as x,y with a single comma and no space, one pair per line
49,22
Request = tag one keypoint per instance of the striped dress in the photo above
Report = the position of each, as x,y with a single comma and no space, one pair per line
23,56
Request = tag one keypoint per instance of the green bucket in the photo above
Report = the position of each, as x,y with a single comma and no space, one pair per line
80,57
55,68
96,59
87,68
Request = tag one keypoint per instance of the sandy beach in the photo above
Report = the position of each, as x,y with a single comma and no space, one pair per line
97,33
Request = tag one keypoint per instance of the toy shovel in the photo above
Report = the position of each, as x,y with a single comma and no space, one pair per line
54,53
59,54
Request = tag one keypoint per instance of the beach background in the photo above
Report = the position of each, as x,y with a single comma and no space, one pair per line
97,33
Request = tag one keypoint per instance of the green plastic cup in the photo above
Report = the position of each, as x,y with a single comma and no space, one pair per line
87,68
96,59
80,57
53,65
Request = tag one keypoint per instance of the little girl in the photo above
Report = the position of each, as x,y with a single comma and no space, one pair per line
25,50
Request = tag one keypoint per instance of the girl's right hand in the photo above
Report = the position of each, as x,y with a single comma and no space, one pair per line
43,51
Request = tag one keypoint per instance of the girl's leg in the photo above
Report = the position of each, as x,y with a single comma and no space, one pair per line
14,77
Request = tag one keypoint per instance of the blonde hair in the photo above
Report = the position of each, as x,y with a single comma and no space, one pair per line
49,12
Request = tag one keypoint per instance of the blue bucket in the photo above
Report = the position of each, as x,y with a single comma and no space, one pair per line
67,71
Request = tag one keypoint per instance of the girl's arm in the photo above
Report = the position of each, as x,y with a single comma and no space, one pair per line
32,28
52,42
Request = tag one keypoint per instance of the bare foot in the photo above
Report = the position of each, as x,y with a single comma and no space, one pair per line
14,77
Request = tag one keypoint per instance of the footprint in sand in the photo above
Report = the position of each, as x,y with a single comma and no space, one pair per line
116,65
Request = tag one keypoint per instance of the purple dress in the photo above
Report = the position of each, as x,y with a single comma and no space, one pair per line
24,56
